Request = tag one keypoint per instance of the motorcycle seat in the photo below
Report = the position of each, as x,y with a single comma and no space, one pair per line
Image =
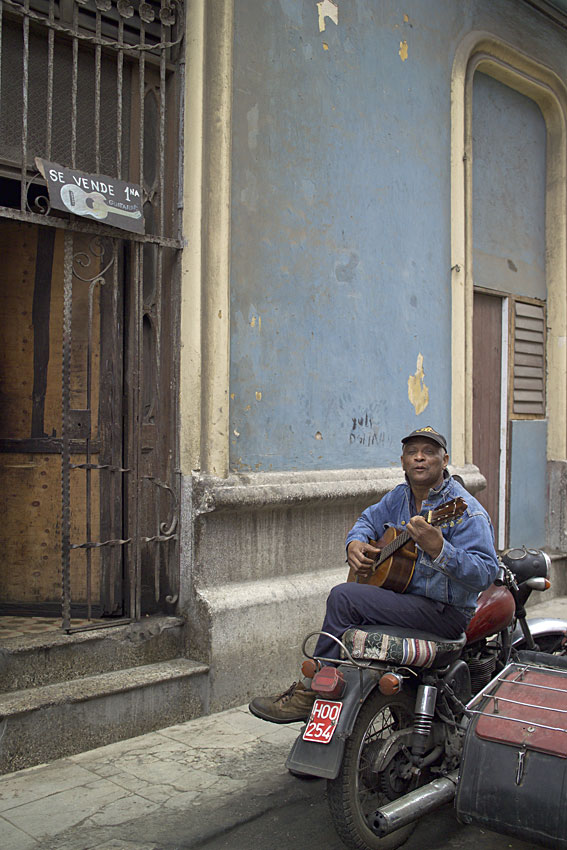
405,647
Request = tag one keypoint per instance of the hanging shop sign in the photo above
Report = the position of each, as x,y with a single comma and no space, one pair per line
104,198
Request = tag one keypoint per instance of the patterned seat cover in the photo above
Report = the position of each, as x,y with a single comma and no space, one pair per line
411,651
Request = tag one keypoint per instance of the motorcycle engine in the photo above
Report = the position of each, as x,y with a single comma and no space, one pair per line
482,668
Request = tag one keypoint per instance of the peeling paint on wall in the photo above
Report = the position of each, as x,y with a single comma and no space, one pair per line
403,51
418,391
327,9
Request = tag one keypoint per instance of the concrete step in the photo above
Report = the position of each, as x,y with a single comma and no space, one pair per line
37,660
40,724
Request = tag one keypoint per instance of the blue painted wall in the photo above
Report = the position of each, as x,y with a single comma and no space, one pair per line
340,264
528,491
509,177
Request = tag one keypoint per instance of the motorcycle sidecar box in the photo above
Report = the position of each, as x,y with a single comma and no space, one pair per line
513,776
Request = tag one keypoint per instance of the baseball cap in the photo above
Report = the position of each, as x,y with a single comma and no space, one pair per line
430,433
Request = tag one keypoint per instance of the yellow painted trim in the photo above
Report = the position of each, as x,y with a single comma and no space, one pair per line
191,261
482,51
205,326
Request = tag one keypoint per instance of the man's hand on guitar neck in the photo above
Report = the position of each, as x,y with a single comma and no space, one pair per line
361,556
426,536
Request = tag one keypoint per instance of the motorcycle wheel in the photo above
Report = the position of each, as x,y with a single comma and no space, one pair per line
358,791
552,644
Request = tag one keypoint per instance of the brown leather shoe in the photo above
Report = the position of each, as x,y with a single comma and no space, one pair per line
293,705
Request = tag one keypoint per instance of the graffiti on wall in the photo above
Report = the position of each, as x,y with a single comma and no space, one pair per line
364,432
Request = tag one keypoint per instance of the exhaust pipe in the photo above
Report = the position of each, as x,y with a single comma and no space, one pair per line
414,805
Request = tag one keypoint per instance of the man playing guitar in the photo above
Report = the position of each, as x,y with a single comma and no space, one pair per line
450,564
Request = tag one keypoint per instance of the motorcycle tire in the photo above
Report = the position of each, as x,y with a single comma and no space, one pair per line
358,791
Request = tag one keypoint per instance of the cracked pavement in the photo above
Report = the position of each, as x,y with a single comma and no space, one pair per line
173,788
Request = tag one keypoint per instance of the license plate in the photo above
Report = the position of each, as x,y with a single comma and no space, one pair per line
323,721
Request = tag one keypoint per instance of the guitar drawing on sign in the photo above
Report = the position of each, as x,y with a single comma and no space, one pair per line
395,565
91,203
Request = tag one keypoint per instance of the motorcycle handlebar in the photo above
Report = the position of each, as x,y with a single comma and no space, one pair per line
500,577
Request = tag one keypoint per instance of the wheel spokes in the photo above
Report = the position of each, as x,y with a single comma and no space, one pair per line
368,790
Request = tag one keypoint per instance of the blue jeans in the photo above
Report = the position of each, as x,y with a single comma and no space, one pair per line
353,604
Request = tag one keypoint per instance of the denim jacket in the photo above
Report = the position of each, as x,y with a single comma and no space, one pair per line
467,562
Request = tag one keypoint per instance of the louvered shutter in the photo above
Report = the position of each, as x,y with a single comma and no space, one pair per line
529,360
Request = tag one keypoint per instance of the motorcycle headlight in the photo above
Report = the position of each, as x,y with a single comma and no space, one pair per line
527,563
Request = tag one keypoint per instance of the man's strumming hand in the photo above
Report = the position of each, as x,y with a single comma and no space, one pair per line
361,556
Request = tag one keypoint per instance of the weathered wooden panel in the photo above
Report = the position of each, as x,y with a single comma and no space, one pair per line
31,308
18,245
487,368
30,542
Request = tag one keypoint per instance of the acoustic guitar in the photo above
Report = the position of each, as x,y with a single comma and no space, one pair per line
395,565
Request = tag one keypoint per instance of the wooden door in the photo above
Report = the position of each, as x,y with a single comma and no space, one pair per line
487,395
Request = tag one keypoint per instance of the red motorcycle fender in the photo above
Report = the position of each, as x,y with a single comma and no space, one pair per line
539,627
310,758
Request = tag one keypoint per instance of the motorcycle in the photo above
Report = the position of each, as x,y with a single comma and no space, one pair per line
389,721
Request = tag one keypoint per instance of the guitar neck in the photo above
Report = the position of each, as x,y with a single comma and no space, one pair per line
393,546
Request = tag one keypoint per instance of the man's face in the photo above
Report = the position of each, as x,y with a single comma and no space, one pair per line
423,461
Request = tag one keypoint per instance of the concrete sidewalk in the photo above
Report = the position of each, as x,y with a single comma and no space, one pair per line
175,788
170,789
